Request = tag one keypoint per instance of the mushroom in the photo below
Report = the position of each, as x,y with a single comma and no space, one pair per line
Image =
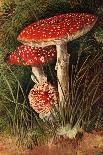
42,98
58,30
35,57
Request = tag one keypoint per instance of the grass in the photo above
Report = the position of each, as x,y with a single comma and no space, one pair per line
22,121
85,95
78,114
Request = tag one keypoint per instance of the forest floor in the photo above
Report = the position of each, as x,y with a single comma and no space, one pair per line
89,144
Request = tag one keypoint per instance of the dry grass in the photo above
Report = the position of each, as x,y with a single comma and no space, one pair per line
89,144
8,146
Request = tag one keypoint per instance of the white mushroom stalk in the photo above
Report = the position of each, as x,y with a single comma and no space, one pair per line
62,67
38,75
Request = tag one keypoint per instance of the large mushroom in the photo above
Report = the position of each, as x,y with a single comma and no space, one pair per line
34,57
42,98
58,30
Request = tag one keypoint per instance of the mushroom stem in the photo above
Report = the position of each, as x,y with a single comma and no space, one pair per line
39,74
62,67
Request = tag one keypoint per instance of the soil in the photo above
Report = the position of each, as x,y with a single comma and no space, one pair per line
88,144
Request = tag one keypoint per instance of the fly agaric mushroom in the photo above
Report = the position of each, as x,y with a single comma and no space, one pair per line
58,30
35,57
42,98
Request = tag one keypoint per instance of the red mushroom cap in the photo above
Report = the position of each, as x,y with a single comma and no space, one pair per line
69,26
27,55
42,98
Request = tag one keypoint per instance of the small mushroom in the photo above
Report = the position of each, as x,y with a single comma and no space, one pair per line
58,30
42,98
34,57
